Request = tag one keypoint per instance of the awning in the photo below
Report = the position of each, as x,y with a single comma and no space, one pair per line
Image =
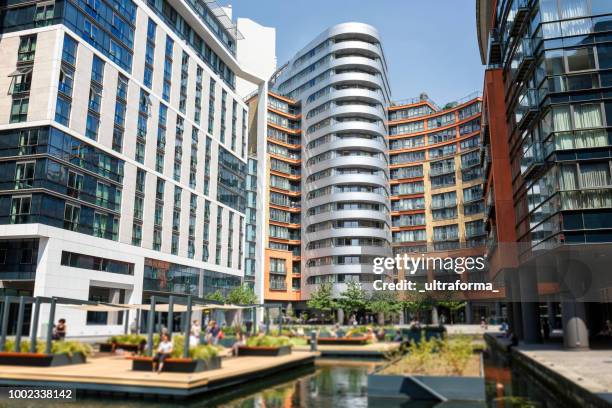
96,308
164,307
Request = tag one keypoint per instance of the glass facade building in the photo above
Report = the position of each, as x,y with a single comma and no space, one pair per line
546,149
113,158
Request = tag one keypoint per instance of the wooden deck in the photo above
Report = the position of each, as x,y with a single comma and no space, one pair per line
114,374
377,350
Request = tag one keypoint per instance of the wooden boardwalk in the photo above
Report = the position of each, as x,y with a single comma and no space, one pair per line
114,374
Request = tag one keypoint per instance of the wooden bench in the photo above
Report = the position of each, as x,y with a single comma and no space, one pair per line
343,340
176,364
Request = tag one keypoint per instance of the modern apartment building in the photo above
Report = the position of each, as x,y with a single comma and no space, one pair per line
340,81
547,115
124,152
437,204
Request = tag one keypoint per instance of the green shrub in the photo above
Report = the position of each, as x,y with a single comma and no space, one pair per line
133,339
203,352
69,347
268,341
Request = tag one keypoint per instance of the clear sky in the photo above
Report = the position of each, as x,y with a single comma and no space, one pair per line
430,45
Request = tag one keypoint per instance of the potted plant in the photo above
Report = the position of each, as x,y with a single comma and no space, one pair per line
266,346
201,358
62,353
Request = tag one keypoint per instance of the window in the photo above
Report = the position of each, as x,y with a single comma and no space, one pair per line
91,130
140,180
157,239
21,80
24,175
19,110
75,184
44,14
27,49
95,98
278,265
28,140
71,217
136,234
100,225
66,80
97,70
62,111
69,51
20,209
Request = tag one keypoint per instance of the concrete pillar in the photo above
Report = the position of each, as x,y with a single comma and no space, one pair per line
530,309
498,312
434,316
551,312
513,287
468,313
575,332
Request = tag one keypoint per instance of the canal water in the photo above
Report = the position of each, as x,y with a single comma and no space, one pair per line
334,384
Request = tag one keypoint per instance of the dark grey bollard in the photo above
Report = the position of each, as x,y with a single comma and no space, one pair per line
313,341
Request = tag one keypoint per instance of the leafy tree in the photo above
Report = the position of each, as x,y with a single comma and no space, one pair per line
384,303
416,302
216,297
322,299
242,295
353,299
453,306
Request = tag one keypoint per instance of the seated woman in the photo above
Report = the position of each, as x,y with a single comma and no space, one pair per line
240,341
164,350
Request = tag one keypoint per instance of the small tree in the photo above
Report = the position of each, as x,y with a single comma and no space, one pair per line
416,302
217,296
242,295
384,303
453,306
353,299
322,299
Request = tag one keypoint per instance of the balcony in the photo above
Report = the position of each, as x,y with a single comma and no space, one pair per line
532,160
486,162
494,52
436,171
521,11
278,285
524,57
526,108
443,204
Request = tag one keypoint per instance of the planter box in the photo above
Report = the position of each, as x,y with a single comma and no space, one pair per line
111,347
177,365
40,359
264,351
355,341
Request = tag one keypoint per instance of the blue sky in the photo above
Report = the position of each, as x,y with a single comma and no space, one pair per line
430,45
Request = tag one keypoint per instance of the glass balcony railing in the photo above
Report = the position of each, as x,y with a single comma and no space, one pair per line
526,108
532,158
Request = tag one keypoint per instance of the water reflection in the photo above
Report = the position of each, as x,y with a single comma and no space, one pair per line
510,386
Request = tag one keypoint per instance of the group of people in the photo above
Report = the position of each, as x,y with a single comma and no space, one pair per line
212,334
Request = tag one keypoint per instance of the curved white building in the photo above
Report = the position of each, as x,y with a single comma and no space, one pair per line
340,79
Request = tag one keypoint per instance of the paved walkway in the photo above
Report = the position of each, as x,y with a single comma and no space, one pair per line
591,369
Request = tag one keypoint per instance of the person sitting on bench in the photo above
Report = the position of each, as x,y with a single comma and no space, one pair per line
163,352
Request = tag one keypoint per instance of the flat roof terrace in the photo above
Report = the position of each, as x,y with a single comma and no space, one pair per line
114,374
